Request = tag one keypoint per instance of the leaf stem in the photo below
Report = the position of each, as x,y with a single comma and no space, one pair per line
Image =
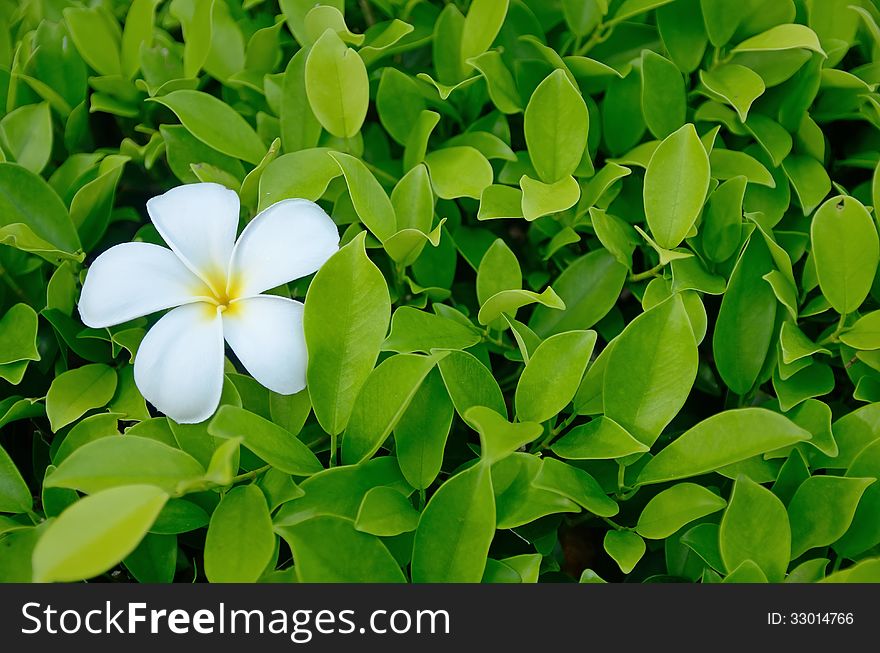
332,462
647,274
251,474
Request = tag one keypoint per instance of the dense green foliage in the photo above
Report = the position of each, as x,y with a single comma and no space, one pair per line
607,306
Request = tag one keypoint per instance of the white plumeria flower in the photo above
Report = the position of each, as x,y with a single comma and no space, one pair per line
213,283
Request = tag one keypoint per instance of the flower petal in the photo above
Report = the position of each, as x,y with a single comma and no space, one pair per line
199,222
179,365
287,241
266,333
135,279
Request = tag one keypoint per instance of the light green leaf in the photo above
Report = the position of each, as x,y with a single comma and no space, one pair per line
328,549
676,183
625,548
27,134
114,461
369,198
15,497
470,383
381,402
600,439
277,446
846,251
96,533
589,287
215,123
75,392
347,311
660,344
755,527
663,94
459,171
421,432
96,36
675,507
782,37
540,199
507,302
553,374
455,530
337,85
498,437
737,85
574,484
386,512
864,334
723,439
822,509
481,26
556,126
240,541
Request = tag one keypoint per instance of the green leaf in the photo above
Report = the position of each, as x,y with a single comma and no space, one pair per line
195,18
864,531
25,199
574,484
737,85
455,530
347,311
414,330
96,36
386,512
370,200
755,527
625,548
520,502
15,497
295,12
126,460
864,334
722,439
381,403
556,126
460,171
676,183
215,123
75,392
660,344
498,437
589,287
675,507
300,128
663,94
337,85
138,33
746,320
274,444
600,439
540,199
782,37
553,374
723,220
18,335
727,164
846,251
304,174
470,383
96,533
481,26
26,133
240,541
421,432
328,549
822,510
508,302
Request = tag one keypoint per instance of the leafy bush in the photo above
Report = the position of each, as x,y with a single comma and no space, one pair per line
606,305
